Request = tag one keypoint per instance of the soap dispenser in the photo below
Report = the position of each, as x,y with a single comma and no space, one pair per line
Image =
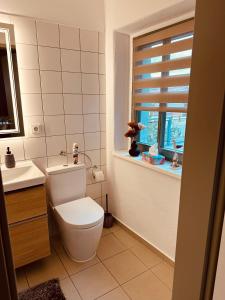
9,159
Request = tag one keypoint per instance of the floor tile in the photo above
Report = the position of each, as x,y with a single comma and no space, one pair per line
69,289
148,257
145,287
115,227
94,282
45,269
105,231
109,246
21,281
124,266
117,294
165,273
71,266
127,239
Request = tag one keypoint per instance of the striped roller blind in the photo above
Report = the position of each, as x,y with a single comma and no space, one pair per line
161,68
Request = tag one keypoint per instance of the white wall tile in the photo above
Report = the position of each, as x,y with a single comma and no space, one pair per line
90,84
89,40
69,37
103,139
101,63
25,30
56,160
91,123
95,156
102,104
92,140
33,120
89,62
16,146
34,147
75,138
74,124
29,81
54,125
48,34
103,157
90,104
73,104
51,82
55,144
103,122
101,42
31,104
102,84
53,104
70,60
71,83
41,163
94,190
49,58
27,56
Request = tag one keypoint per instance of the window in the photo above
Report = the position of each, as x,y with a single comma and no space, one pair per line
162,64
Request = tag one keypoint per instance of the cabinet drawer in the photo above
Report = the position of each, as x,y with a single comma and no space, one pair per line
25,204
29,240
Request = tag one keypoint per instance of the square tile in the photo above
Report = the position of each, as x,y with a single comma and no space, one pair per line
69,37
45,269
49,58
48,34
75,138
102,104
103,140
56,160
70,60
109,246
31,104
69,289
165,273
27,56
54,125
71,266
71,83
51,82
41,163
92,140
91,104
74,124
146,286
16,146
89,62
25,31
97,279
103,122
101,63
89,40
29,81
73,104
91,123
94,191
21,281
127,239
94,156
55,144
124,266
34,147
53,104
117,294
33,120
148,257
90,84
103,157
102,84
101,42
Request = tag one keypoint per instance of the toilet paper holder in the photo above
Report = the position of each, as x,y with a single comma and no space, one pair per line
97,174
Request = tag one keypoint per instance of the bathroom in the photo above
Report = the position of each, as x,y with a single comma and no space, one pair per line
67,155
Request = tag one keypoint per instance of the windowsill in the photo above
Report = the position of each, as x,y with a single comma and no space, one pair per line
164,169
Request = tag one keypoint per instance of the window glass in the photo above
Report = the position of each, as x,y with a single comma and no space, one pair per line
149,135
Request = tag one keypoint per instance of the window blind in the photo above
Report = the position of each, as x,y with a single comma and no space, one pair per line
161,68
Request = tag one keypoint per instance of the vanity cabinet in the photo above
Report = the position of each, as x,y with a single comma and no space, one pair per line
28,224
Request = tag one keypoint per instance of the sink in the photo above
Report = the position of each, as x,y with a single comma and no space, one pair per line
24,175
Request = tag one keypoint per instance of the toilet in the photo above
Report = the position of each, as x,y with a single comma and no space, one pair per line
80,219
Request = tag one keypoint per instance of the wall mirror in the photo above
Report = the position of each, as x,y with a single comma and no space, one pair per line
11,120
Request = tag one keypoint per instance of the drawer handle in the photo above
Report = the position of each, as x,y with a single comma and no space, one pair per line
27,221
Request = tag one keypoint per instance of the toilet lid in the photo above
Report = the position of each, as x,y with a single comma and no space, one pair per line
81,213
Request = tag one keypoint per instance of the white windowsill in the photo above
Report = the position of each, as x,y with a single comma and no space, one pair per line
164,169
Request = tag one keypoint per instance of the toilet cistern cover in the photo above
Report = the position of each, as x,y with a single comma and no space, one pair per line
81,213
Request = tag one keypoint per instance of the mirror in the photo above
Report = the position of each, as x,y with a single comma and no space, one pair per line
11,122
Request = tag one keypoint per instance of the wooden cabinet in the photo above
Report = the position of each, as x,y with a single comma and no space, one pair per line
28,224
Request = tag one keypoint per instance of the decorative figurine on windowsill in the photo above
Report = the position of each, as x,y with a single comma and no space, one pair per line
132,133
175,164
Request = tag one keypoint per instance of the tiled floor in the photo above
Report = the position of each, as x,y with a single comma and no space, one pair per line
123,269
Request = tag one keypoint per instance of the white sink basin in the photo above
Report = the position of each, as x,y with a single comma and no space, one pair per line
24,175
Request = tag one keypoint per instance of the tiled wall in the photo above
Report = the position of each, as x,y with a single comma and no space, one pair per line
62,81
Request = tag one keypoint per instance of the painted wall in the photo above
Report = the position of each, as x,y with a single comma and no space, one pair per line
85,14
145,201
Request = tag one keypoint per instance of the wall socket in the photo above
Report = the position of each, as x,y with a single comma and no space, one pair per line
36,129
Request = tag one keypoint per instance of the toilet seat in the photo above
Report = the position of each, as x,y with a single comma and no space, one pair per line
81,213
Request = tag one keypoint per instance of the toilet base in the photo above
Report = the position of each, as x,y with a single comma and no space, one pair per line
76,260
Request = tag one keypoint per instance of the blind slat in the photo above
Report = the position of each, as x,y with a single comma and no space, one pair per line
163,66
161,98
162,82
163,50
160,109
